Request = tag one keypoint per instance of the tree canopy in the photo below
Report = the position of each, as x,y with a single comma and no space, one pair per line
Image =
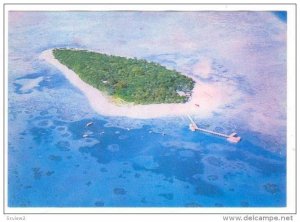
130,79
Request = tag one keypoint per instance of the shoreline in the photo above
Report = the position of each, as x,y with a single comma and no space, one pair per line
208,98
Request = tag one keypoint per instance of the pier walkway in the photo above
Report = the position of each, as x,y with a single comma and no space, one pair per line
233,138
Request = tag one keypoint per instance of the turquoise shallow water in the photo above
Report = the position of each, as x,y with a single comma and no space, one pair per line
128,162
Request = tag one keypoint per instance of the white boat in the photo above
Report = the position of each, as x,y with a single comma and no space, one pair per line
89,124
85,135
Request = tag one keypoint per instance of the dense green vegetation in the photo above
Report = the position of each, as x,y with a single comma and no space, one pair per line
131,80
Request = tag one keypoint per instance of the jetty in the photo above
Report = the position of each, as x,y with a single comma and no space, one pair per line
232,138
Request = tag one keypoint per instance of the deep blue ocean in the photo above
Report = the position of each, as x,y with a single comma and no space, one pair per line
141,163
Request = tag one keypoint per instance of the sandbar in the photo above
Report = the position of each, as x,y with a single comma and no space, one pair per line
205,98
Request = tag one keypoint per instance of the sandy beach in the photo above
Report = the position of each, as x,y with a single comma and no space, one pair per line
205,98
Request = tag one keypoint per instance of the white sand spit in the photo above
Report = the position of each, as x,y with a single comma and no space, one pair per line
205,98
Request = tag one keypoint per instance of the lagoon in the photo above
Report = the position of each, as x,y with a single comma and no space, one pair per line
149,162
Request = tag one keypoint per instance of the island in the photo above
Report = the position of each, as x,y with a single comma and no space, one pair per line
135,88
127,79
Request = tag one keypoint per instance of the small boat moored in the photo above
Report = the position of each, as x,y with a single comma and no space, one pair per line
89,124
